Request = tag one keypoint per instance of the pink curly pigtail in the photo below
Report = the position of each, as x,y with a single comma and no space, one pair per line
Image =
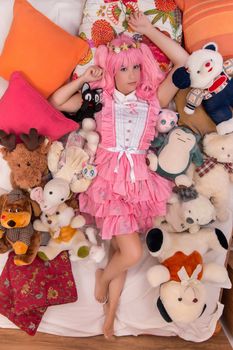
111,62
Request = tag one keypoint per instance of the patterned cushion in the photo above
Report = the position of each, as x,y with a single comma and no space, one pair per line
103,19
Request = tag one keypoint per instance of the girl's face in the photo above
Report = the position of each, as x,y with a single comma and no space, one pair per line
128,78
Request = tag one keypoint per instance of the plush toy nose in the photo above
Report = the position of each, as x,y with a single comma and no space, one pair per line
49,222
189,221
11,223
207,64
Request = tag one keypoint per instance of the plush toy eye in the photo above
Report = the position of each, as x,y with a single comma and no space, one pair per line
198,72
57,212
46,215
195,300
179,299
62,199
51,192
190,211
97,98
28,163
88,97
163,121
85,171
172,123
223,148
92,172
18,165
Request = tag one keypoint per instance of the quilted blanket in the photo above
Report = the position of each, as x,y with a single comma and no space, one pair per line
27,291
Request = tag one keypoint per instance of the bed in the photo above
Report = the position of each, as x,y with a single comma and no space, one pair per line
137,313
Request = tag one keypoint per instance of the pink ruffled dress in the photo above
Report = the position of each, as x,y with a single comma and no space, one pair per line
125,195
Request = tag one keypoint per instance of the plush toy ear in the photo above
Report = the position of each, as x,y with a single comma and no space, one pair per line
36,208
37,194
181,78
163,311
85,87
2,201
154,240
211,46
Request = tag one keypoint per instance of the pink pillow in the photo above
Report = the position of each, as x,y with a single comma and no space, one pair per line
22,107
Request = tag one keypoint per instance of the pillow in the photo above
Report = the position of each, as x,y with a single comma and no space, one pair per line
199,122
40,49
104,18
22,108
65,13
205,21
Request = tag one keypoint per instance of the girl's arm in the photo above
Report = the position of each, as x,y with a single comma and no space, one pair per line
68,98
178,56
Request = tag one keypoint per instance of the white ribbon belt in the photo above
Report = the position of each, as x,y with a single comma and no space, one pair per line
127,151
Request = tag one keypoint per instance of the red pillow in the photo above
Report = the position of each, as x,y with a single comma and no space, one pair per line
22,107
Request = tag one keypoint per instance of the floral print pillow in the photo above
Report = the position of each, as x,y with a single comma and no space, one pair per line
104,19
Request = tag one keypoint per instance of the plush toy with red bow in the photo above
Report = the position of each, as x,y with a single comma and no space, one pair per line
210,79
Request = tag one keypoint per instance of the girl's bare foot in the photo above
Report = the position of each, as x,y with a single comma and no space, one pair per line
108,326
101,288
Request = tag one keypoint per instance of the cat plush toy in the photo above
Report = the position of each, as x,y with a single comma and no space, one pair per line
91,104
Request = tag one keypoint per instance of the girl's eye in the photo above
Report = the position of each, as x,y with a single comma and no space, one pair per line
136,66
88,97
17,210
123,69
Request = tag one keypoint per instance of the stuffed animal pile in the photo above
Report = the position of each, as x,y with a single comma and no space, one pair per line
47,176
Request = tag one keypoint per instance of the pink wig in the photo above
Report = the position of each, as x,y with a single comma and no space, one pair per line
111,62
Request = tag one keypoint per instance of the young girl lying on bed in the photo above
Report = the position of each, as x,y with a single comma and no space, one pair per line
125,195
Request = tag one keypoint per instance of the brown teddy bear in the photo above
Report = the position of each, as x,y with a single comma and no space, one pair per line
27,160
16,230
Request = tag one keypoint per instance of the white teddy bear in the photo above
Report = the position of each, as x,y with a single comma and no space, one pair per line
213,178
187,215
210,79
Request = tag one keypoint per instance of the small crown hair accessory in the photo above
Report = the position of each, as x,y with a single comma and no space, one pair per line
123,47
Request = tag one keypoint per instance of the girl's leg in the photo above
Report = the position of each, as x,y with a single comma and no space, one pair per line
110,308
114,292
128,254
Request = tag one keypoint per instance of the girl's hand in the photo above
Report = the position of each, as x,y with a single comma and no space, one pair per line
93,73
139,23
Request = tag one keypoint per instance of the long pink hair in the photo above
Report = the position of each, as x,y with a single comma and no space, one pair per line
111,62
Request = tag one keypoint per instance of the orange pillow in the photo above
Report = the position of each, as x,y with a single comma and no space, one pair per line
44,52
208,20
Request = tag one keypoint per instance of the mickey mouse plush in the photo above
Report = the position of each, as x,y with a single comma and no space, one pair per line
211,84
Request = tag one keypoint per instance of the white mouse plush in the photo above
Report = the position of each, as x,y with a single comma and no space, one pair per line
210,79
182,272
55,192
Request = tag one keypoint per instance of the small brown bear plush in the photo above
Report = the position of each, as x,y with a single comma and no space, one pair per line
16,230
27,160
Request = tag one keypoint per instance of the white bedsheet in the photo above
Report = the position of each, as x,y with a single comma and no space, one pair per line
136,313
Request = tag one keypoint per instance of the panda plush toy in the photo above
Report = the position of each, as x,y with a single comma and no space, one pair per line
210,79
